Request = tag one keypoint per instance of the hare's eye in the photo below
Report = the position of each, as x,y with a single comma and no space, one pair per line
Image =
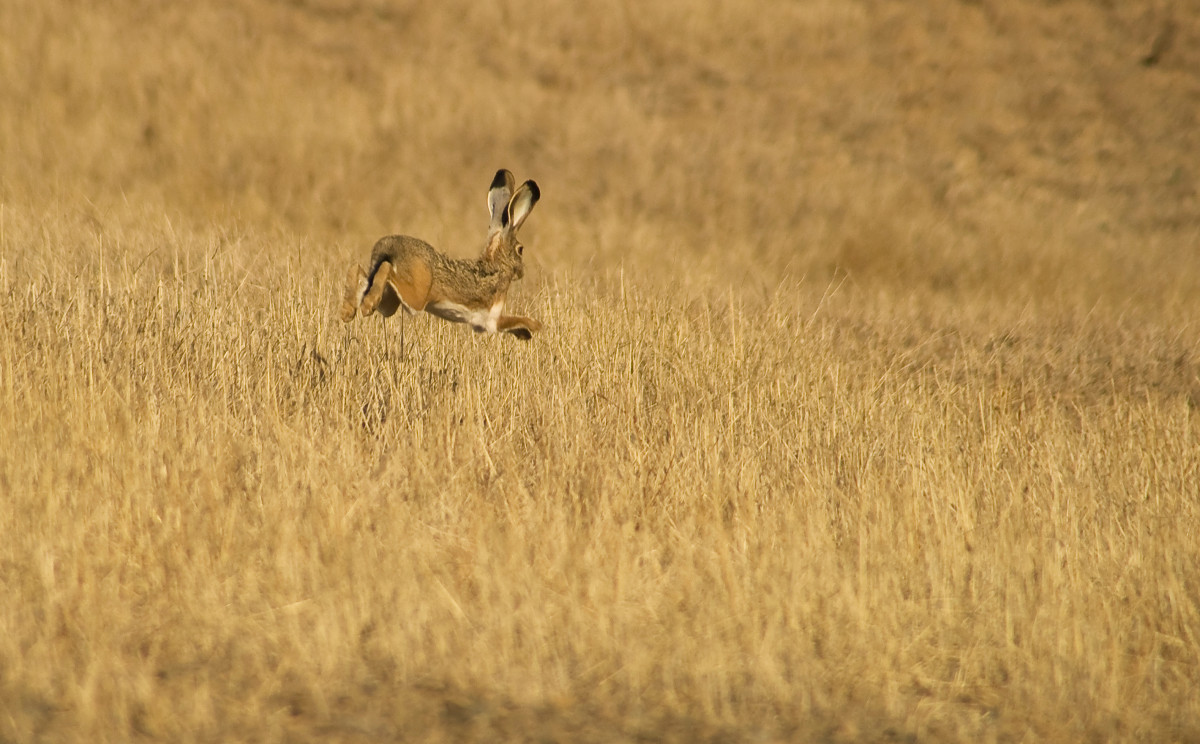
520,249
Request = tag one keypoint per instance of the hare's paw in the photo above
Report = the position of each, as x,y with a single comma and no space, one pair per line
520,327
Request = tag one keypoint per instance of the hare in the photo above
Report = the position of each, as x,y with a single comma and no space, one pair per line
410,273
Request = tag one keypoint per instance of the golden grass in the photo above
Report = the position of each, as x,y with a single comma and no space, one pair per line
866,407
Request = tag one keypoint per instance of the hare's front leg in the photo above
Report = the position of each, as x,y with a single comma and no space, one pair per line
518,325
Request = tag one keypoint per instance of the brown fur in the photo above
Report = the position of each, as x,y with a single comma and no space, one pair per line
408,272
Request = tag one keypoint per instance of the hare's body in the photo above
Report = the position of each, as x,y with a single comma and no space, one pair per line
409,273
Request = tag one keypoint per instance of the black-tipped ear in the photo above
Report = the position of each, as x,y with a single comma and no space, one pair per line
503,179
522,203
499,194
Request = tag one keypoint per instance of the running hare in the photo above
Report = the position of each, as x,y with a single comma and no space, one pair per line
409,273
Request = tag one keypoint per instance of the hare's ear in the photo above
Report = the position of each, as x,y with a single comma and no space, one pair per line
522,204
499,195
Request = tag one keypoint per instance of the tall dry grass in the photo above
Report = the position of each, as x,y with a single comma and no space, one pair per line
865,409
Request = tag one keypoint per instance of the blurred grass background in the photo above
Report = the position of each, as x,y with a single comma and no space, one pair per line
866,407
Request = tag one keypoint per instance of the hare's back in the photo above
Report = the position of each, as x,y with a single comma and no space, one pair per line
394,247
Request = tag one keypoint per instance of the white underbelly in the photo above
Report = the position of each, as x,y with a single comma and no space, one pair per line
482,320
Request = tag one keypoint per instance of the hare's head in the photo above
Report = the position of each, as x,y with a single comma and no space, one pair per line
508,209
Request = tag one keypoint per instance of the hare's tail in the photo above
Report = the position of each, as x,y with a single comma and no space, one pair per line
385,250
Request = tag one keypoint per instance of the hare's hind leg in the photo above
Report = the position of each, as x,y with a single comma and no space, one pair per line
408,287
352,296
378,284
519,326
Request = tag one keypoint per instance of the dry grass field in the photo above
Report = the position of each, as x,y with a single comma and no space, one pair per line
866,407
